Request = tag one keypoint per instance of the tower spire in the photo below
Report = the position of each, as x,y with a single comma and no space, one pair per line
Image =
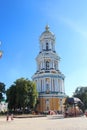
47,27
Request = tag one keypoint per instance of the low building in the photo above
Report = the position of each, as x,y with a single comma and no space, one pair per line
3,106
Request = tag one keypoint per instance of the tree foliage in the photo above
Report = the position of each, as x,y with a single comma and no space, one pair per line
2,90
22,94
82,95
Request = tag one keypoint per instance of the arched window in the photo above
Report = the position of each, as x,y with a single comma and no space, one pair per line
47,104
47,47
55,65
47,65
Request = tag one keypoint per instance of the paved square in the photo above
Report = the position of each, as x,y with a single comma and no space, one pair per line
43,123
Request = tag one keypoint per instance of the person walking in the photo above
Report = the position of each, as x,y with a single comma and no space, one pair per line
7,117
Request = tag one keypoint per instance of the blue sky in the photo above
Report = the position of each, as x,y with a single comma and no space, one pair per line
21,24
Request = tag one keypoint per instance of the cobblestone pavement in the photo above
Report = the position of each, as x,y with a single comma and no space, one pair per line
43,123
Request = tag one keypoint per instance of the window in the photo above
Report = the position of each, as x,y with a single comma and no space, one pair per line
55,65
47,65
47,47
47,104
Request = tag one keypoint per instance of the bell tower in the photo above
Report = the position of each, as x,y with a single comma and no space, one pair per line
48,78
47,40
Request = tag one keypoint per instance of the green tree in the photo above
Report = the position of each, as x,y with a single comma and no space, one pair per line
82,95
22,94
2,90
11,97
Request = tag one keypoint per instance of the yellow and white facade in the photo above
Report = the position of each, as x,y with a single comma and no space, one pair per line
48,78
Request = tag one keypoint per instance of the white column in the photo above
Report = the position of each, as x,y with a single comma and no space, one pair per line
59,85
52,83
44,46
37,66
43,63
38,85
52,64
50,45
40,65
35,83
53,47
42,85
55,84
63,86
57,65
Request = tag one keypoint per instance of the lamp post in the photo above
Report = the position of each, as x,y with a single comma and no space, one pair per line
0,51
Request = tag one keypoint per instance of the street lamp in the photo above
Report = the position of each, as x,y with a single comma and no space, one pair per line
1,51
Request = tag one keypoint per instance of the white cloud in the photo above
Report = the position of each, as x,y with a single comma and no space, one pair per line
78,26
74,25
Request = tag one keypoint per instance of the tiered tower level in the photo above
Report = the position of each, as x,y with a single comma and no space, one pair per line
48,78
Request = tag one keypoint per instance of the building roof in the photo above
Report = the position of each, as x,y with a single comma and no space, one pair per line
47,32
